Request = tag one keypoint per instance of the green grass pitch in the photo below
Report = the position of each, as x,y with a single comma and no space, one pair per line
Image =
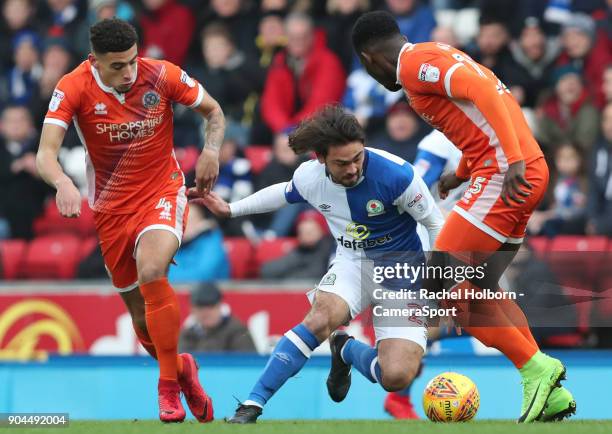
329,427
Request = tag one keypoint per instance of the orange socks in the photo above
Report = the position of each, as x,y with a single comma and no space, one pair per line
145,341
496,328
163,322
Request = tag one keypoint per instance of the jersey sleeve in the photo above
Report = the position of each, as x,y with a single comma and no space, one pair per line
416,199
426,72
297,186
181,87
64,103
456,75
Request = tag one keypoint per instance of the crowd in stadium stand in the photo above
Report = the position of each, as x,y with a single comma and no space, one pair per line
271,63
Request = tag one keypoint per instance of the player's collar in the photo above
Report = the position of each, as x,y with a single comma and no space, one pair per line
108,89
399,57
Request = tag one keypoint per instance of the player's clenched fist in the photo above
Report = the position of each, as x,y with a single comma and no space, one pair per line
68,199
212,201
207,170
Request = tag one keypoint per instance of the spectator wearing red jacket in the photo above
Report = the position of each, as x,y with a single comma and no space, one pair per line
302,78
588,50
167,30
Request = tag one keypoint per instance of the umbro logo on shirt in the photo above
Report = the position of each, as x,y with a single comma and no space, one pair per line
324,207
100,109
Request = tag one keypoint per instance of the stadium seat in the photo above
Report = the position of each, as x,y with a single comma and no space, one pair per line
259,157
539,244
51,257
581,298
241,257
268,250
187,157
576,260
11,255
571,243
51,222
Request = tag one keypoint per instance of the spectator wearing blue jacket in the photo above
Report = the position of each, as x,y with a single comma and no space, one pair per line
201,256
415,19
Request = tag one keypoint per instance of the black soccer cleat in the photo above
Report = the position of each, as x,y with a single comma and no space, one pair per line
339,379
245,414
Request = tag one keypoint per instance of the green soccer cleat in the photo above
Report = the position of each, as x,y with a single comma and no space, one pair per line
541,374
560,405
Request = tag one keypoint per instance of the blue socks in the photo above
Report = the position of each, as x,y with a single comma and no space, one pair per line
290,354
363,357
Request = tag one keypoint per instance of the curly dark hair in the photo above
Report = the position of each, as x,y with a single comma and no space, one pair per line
330,126
112,35
373,27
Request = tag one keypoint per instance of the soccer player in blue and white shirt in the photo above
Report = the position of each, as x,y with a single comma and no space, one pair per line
435,156
372,201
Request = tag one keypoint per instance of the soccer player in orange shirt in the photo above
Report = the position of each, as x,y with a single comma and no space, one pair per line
508,174
121,106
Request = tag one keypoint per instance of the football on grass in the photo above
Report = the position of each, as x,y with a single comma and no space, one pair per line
451,397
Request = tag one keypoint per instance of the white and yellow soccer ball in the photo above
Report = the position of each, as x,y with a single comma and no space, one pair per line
451,397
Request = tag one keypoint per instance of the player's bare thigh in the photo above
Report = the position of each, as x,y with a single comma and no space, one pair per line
154,252
328,312
399,361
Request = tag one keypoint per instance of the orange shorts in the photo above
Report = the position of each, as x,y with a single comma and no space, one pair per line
482,207
119,234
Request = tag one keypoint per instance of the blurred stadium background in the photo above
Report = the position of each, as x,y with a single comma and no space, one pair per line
66,341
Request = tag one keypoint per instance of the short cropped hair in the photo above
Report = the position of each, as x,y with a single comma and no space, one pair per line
373,27
112,35
330,126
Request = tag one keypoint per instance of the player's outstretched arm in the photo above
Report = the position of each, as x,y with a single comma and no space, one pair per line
265,200
207,167
215,203
67,197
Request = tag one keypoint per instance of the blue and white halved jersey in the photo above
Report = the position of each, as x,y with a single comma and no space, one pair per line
378,214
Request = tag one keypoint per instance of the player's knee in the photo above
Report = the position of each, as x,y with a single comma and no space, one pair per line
398,378
150,272
318,322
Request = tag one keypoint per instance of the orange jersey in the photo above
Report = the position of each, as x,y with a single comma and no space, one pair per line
127,137
469,104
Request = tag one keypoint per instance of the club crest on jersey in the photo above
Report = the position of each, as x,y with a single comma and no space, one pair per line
375,207
100,109
428,72
150,99
56,100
